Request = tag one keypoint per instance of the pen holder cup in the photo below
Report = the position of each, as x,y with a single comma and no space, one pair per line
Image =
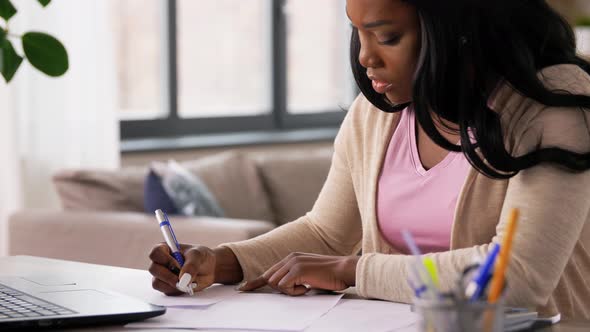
451,316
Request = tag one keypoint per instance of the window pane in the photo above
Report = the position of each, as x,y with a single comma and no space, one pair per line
319,77
138,25
224,57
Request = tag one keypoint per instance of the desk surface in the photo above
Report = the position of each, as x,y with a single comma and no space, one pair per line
135,282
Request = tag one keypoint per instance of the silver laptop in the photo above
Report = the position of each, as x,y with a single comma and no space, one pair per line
25,304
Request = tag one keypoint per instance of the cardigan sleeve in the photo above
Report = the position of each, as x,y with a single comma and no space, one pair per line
332,227
554,207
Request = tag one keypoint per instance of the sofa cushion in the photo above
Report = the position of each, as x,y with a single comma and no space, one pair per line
230,176
234,181
101,190
129,235
293,181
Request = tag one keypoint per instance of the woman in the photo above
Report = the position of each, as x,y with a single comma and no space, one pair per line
468,109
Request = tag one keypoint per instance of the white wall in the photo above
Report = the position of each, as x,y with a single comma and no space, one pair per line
47,124
10,186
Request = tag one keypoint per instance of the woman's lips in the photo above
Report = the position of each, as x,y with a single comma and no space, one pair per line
381,86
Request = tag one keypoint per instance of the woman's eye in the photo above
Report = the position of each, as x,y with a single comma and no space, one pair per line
391,41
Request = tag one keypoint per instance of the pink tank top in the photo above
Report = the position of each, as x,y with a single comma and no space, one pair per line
410,197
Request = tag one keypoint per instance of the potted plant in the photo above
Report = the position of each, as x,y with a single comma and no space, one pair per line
582,30
43,51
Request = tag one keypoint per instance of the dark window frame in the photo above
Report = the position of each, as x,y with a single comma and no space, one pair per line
278,120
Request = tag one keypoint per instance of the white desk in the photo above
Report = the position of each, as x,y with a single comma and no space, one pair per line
137,283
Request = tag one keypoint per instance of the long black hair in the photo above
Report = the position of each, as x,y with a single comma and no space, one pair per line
468,46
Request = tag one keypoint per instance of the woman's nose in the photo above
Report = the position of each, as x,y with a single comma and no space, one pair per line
368,58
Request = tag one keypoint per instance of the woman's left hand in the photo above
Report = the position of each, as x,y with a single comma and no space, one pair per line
299,272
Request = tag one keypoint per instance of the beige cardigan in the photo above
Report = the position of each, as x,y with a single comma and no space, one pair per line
550,263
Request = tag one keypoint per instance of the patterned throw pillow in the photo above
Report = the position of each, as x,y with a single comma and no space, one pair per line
155,196
189,195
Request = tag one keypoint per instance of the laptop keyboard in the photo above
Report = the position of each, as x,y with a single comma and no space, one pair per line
16,304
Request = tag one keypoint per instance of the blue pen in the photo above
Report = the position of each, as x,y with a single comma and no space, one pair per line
475,288
169,236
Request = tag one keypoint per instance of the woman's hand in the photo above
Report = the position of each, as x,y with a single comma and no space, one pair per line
199,263
298,272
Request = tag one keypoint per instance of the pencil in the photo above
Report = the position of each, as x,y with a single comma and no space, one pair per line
497,283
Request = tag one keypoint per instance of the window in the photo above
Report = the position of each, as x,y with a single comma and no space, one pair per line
318,71
223,58
139,60
192,67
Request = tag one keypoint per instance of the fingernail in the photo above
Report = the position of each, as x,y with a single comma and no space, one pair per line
194,285
184,281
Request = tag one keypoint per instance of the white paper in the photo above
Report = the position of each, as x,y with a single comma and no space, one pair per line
207,297
364,315
249,311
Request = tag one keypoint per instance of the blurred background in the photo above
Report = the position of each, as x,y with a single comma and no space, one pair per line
176,79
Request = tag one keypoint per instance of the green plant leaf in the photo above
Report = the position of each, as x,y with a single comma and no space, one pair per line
45,53
9,60
7,10
44,3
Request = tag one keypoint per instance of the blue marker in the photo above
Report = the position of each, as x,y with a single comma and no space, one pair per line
169,236
475,288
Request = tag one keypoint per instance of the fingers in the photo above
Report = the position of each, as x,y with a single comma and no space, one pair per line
162,263
273,276
161,254
163,287
192,264
164,274
203,282
293,283
289,286
289,280
200,265
253,284
277,276
263,280
185,247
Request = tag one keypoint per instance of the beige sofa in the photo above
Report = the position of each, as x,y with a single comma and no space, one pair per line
103,222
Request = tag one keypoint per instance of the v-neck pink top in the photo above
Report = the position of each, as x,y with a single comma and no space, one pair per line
413,198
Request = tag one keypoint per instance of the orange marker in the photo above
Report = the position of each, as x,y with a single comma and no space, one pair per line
497,283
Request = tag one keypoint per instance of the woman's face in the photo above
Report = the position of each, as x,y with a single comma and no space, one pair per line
389,32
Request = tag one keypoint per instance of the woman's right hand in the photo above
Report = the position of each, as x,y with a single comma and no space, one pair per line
199,263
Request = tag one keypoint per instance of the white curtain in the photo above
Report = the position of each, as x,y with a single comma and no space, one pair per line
47,124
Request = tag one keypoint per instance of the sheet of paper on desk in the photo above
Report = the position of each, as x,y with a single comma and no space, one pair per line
249,311
207,297
364,315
